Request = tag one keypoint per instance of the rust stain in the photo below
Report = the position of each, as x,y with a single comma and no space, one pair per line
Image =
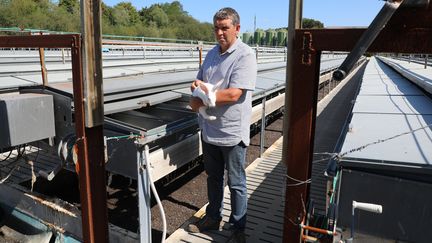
51,205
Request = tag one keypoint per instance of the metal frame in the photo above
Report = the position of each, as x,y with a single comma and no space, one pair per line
408,31
144,193
91,162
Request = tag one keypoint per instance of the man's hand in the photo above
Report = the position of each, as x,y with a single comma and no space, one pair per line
195,84
204,88
195,103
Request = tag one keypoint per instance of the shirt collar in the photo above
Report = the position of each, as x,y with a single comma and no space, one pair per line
233,47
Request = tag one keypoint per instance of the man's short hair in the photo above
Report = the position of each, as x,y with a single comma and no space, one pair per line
227,13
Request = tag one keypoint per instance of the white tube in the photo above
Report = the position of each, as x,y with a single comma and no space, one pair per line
156,195
370,207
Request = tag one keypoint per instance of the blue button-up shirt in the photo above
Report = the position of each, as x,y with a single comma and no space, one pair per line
238,69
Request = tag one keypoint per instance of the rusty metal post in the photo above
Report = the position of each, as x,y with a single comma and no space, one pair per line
200,48
90,165
43,66
300,135
63,56
263,124
302,76
92,61
91,144
200,57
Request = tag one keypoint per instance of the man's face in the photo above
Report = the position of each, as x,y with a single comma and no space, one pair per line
226,33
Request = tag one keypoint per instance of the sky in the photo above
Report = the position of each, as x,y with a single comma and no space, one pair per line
274,13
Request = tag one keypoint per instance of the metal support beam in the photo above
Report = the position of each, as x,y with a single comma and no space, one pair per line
291,232
92,61
43,66
91,162
200,50
63,56
38,41
263,125
407,41
408,31
144,193
89,122
300,136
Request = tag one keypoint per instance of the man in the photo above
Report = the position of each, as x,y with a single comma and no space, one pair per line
225,139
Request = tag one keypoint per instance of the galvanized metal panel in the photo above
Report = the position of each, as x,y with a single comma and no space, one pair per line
380,87
407,105
13,82
121,66
380,79
330,63
415,72
413,148
25,118
390,128
132,104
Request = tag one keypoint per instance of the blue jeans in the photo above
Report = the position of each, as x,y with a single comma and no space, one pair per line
232,158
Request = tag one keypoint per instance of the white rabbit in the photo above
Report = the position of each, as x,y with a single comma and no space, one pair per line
209,99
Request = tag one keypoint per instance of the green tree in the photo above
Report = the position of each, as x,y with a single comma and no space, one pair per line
71,6
154,15
133,16
107,15
62,20
173,9
120,15
167,20
19,8
312,24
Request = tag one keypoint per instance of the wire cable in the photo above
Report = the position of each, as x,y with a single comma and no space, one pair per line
9,174
341,155
7,157
21,153
299,182
130,136
156,195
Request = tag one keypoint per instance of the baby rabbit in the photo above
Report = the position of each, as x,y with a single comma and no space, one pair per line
209,99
